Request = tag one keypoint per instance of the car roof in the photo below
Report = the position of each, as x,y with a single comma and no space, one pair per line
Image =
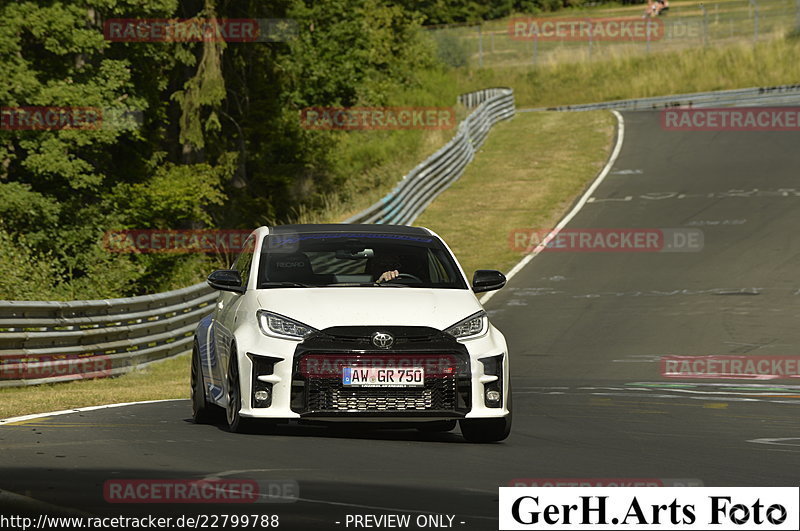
349,228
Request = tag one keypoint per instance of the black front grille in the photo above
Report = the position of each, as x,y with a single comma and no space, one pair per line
317,388
328,394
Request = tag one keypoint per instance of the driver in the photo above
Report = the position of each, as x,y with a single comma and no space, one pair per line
385,268
388,275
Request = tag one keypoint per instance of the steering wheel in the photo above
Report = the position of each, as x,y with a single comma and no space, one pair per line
405,276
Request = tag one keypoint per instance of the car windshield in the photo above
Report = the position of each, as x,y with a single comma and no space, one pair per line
356,259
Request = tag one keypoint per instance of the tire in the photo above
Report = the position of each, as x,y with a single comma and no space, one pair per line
203,412
437,426
487,430
236,424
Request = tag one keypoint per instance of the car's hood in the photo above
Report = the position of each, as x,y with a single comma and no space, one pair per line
345,306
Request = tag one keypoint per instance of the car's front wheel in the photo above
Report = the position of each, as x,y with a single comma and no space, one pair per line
203,412
236,423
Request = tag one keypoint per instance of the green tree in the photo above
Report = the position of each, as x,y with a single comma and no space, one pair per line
217,140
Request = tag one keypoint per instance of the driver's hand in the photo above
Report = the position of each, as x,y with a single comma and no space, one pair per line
388,275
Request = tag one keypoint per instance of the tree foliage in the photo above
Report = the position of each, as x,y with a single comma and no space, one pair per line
195,134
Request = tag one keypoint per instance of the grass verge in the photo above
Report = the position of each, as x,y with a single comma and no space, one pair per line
526,175
161,380
700,69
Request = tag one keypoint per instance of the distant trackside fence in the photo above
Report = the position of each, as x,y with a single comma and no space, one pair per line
47,341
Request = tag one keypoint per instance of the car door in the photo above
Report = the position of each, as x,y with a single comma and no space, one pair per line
225,320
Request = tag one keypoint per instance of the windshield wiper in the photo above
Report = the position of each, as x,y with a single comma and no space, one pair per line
352,284
283,285
363,284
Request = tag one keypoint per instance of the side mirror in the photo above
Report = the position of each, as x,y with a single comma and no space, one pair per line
226,280
487,280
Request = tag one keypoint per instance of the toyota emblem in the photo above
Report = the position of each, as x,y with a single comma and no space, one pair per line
382,340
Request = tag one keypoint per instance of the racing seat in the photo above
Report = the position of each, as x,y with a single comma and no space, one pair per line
294,267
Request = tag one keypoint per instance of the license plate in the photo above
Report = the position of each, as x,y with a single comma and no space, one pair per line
383,377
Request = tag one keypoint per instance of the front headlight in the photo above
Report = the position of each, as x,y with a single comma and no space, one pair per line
473,326
275,325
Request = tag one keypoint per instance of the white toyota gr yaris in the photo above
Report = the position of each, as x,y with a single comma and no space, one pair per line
366,323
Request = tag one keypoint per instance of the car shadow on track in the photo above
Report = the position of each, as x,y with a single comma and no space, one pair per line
346,431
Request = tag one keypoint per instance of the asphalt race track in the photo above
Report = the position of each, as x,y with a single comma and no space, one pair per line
586,332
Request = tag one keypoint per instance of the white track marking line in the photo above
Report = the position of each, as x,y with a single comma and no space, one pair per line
777,441
226,473
14,420
582,201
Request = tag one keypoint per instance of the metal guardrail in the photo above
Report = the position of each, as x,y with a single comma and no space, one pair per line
44,341
430,178
755,96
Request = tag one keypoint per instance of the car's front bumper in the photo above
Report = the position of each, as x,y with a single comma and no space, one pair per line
303,379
